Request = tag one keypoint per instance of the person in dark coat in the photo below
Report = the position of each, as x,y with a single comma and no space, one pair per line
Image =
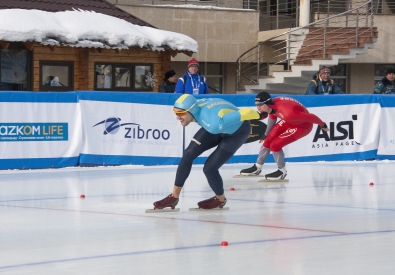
322,84
387,84
168,84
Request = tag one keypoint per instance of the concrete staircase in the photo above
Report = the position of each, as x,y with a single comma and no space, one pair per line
309,54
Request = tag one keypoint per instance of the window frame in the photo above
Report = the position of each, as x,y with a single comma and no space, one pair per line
204,73
132,67
342,77
69,64
29,65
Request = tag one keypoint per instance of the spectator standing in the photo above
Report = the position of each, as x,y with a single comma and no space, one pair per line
168,84
387,84
322,84
192,82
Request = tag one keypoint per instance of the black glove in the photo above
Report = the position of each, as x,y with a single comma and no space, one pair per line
262,115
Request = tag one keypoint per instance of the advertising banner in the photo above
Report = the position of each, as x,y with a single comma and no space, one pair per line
386,148
129,130
39,130
44,130
348,138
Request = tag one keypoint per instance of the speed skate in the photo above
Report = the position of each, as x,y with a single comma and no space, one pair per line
212,209
248,176
164,210
263,183
275,181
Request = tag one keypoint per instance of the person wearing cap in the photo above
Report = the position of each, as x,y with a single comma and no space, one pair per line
295,123
322,84
168,84
223,127
387,84
192,82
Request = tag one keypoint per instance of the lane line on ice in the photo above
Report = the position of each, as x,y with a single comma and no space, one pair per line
185,248
178,219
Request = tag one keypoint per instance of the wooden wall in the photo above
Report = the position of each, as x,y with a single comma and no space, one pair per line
85,58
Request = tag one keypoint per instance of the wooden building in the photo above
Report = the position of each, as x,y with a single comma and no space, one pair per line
52,64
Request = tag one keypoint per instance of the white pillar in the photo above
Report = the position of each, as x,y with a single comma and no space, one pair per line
304,18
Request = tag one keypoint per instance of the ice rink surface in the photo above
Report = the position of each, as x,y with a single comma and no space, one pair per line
328,219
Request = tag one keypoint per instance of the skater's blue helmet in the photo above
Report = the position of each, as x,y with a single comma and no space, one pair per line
188,103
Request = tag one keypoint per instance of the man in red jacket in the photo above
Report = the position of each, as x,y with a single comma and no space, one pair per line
295,123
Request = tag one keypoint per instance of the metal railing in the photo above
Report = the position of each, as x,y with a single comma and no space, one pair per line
279,52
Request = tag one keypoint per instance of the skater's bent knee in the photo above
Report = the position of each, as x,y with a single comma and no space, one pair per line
275,148
208,169
189,154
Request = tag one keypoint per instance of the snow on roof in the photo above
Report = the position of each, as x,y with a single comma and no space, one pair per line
81,28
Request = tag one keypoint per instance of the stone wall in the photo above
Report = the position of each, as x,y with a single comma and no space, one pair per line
222,35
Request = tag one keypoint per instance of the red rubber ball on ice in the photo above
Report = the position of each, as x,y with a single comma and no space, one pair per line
232,189
371,183
82,196
224,243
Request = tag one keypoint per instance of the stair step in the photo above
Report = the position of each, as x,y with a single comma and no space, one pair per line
340,29
345,33
328,50
337,41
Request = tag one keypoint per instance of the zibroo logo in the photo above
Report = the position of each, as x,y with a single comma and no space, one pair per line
342,133
112,126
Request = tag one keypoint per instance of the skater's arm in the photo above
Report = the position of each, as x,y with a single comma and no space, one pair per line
229,117
270,123
307,117
302,117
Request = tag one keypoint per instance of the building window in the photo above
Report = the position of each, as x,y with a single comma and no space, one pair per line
213,72
14,75
379,71
122,76
339,75
269,7
56,76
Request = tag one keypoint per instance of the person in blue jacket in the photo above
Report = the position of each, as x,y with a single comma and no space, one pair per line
192,82
322,84
225,127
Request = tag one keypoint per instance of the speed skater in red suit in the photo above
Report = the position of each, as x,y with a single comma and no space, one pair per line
295,122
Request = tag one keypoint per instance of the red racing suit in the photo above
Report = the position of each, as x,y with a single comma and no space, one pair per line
296,122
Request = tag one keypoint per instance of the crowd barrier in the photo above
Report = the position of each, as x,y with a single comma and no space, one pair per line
87,128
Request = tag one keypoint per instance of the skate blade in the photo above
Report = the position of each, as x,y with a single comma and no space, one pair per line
274,181
247,176
260,184
164,210
214,209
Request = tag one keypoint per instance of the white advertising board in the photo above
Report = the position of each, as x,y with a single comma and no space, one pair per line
40,130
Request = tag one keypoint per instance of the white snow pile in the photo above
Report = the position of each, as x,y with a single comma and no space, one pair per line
81,28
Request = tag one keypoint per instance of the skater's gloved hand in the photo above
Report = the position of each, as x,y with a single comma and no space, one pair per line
325,127
262,138
262,115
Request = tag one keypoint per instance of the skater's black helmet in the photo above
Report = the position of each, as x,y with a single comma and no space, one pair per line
264,98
